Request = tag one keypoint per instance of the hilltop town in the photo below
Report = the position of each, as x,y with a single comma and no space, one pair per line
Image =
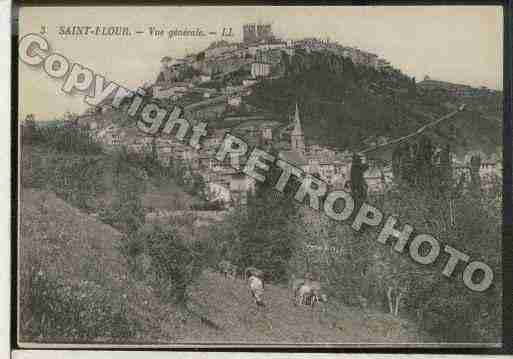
214,86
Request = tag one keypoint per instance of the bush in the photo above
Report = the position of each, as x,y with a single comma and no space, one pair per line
55,311
62,159
125,215
263,233
125,212
175,263
74,178
70,139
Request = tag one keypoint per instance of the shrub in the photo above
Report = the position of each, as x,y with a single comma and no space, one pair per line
126,216
74,178
125,212
80,312
65,139
263,234
175,263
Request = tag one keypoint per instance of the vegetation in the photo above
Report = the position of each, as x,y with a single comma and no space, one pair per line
69,138
273,233
72,313
470,223
174,263
65,160
343,104
358,185
125,211
263,234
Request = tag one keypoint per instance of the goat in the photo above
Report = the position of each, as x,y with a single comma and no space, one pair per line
309,293
305,295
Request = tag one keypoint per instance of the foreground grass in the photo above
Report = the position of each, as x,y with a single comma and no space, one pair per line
83,292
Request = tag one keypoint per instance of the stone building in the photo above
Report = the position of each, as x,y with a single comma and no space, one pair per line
253,32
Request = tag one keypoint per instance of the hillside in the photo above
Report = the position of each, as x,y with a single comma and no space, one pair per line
158,192
342,104
59,243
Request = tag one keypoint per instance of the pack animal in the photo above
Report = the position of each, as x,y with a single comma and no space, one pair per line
307,291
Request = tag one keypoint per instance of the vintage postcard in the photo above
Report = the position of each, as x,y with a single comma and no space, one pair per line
260,176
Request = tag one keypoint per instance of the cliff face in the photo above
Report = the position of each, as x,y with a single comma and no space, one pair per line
225,66
303,61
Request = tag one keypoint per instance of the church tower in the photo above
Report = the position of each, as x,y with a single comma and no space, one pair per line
297,137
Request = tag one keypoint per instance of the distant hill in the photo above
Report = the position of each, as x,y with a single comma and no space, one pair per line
342,104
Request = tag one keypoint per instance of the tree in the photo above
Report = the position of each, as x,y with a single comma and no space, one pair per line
125,212
424,163
175,262
358,184
475,178
267,228
448,314
198,186
28,129
445,169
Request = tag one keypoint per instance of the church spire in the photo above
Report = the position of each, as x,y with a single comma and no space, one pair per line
297,131
297,136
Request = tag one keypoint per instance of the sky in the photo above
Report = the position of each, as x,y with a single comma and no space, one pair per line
461,44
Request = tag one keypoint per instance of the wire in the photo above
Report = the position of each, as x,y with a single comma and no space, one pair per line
416,133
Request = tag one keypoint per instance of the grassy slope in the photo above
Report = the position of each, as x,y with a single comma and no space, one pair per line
72,246
230,306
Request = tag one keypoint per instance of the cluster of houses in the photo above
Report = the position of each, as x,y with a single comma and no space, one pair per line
260,51
259,54
357,56
223,182
230,186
